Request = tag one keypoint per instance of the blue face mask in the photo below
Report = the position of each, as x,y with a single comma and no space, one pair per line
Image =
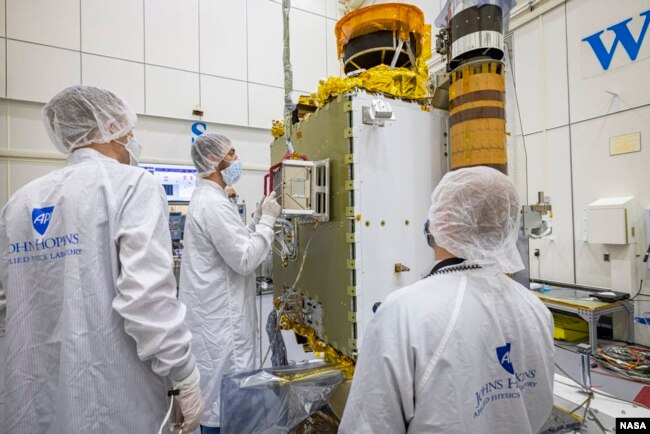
232,173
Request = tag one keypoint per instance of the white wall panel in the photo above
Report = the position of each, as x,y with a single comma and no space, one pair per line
265,43
51,22
250,190
4,126
259,154
23,172
264,105
25,128
99,36
596,174
3,67
172,33
590,84
527,64
429,8
516,151
314,6
536,155
165,139
549,151
332,9
308,50
224,101
223,38
254,153
555,91
333,66
517,165
36,73
170,139
4,190
124,77
252,145
170,92
2,18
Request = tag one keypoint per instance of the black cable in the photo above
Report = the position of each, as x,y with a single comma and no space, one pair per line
639,291
645,260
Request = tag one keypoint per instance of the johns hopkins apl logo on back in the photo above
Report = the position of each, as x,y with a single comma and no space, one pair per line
41,218
503,355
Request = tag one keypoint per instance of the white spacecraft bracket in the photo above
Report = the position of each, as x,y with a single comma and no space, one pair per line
304,188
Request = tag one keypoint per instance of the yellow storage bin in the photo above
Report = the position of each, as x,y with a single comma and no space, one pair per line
570,329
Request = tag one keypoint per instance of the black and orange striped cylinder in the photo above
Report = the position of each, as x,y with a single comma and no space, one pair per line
477,116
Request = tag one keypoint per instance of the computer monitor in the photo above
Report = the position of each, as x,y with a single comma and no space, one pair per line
176,225
178,181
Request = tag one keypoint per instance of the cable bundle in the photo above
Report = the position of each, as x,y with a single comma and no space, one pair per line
628,360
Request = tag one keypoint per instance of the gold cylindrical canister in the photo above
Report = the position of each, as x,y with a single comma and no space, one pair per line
477,116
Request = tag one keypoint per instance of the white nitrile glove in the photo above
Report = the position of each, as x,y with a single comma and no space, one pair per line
258,212
271,210
188,404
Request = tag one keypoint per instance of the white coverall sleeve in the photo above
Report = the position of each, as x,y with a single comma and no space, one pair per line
146,287
242,249
382,394
3,308
4,272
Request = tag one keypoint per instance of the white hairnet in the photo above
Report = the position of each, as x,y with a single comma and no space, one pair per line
474,215
81,115
207,152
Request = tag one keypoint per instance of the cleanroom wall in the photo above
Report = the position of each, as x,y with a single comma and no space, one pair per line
571,106
165,57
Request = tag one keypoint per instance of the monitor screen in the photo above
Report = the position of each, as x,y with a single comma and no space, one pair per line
176,225
178,181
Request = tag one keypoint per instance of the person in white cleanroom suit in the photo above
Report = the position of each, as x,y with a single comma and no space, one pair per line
217,279
95,335
467,349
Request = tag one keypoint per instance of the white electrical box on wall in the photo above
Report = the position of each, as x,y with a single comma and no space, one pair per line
609,221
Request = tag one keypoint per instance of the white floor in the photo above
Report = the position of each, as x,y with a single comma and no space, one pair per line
605,409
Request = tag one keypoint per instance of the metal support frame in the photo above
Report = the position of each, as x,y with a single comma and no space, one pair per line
585,365
409,51
592,316
393,62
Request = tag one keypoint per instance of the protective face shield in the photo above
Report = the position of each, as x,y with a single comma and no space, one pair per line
134,148
232,173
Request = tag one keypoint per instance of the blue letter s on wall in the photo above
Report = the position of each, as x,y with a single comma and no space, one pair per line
199,128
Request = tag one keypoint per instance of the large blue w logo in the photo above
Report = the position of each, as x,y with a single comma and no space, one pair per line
623,36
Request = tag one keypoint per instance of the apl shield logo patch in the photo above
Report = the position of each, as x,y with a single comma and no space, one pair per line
503,355
41,218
